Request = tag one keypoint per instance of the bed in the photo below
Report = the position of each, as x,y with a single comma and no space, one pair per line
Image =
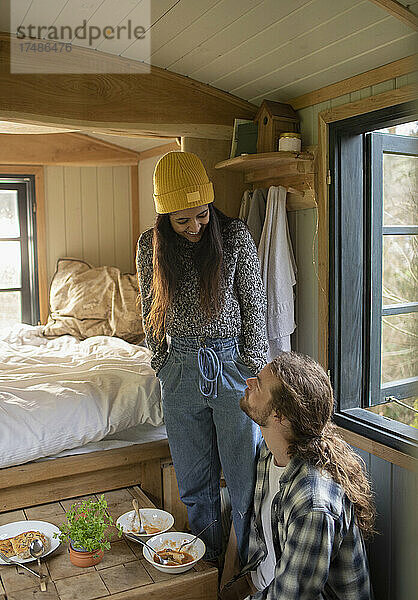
74,407
80,416
63,395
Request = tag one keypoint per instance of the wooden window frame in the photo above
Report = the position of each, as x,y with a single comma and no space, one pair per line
401,95
369,426
38,173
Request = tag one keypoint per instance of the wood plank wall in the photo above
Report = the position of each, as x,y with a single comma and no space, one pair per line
146,205
88,216
302,227
392,551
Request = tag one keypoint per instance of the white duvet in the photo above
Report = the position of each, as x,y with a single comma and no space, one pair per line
57,394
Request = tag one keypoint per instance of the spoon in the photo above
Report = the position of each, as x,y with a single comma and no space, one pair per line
37,549
157,557
141,530
186,543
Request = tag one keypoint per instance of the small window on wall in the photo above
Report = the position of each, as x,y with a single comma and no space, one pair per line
18,269
393,164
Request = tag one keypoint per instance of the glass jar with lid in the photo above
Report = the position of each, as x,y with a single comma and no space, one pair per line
290,141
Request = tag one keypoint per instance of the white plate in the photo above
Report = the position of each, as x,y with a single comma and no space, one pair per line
153,517
12,529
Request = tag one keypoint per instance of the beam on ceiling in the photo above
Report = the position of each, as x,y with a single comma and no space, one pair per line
400,67
158,150
398,10
62,149
407,93
154,103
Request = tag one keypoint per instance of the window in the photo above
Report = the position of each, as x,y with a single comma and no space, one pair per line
393,194
18,278
373,276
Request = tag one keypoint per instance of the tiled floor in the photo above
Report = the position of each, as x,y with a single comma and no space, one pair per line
123,573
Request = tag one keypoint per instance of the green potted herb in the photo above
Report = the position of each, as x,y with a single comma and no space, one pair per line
85,530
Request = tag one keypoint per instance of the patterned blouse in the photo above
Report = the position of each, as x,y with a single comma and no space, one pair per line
243,310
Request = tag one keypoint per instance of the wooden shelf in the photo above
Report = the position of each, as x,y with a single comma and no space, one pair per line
249,162
293,170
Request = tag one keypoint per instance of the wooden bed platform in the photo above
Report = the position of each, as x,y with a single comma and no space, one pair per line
146,465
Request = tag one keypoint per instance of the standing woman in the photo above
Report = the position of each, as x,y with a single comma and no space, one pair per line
203,307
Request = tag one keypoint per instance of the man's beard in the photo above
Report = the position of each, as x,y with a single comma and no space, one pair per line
260,417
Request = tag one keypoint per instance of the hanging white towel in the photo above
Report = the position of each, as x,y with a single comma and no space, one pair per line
257,213
281,344
245,206
278,270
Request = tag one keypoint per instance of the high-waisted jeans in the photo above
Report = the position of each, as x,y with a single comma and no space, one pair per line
202,383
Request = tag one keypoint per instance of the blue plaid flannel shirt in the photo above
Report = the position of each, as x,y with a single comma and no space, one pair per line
320,553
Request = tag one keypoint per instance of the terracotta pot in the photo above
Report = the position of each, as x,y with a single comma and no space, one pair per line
81,558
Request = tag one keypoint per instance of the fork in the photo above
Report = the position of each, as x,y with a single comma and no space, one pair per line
187,542
18,564
141,530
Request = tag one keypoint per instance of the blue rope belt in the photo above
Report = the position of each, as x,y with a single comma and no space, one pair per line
209,370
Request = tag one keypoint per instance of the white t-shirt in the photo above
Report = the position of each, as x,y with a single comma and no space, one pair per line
264,574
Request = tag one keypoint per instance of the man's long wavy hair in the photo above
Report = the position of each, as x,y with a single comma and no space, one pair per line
208,258
304,396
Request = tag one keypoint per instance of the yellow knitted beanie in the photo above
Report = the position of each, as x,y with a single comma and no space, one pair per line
181,181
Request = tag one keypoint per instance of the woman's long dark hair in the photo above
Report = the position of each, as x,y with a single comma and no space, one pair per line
304,396
208,259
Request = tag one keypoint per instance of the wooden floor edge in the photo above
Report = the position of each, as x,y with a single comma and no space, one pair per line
82,463
168,590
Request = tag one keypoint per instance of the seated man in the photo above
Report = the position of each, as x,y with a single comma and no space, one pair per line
312,502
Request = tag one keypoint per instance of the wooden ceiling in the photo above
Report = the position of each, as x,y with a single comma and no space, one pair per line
254,49
212,60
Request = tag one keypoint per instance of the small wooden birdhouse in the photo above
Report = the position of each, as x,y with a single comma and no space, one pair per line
273,119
